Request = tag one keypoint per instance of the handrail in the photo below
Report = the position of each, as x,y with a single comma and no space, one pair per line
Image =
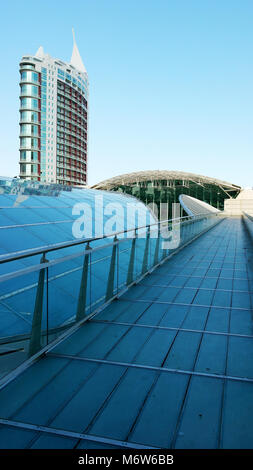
58,246
250,217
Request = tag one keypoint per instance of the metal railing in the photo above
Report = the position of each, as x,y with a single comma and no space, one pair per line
51,293
250,217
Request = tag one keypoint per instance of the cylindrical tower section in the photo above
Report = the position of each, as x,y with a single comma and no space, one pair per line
29,122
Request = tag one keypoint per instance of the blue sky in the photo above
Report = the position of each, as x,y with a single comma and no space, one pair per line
170,81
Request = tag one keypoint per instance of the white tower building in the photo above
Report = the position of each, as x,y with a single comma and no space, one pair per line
53,119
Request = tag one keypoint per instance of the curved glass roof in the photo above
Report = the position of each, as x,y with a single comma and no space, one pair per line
153,175
35,215
40,216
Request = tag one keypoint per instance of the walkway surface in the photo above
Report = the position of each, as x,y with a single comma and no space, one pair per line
168,365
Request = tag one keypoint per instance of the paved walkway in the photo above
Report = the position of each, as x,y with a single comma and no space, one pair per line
170,364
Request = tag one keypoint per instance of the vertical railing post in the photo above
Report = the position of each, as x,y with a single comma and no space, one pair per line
47,306
164,253
117,257
190,228
130,272
186,230
81,306
157,246
90,281
111,276
35,340
146,250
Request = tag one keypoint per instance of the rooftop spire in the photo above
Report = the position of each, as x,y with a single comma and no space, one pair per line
76,60
40,53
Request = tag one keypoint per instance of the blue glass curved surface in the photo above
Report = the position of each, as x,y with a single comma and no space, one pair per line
38,216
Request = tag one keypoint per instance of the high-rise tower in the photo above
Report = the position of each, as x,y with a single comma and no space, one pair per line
53,119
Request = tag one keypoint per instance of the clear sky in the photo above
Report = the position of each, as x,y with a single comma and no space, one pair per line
170,81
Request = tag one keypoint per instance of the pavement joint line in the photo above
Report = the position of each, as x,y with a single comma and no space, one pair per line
198,288
181,303
72,434
205,277
208,268
170,328
152,368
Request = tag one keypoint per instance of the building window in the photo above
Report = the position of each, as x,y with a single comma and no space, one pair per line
29,90
29,76
28,116
22,168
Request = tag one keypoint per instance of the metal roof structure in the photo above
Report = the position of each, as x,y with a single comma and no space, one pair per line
153,175
193,206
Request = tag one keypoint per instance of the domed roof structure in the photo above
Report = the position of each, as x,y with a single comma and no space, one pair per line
155,175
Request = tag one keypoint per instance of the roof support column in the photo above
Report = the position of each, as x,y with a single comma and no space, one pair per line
146,251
